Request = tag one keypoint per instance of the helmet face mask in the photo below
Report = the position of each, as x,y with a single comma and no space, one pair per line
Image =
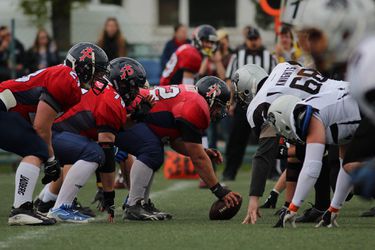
205,39
217,95
90,63
127,76
246,81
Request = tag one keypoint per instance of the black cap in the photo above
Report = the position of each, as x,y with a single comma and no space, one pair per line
253,33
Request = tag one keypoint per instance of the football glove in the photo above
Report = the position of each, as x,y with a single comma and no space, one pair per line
51,171
109,204
141,110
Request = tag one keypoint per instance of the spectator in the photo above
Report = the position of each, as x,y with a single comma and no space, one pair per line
255,53
43,53
286,49
111,39
224,47
179,38
5,64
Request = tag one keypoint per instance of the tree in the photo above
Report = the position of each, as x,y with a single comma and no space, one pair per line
60,13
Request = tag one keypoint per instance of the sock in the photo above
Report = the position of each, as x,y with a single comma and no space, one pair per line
26,177
140,177
41,194
322,188
48,195
148,189
77,176
343,188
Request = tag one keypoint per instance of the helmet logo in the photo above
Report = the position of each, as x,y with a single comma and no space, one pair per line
86,53
337,4
126,71
213,90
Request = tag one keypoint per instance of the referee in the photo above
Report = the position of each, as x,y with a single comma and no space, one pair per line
254,52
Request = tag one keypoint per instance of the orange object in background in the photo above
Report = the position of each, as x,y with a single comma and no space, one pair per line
177,166
272,12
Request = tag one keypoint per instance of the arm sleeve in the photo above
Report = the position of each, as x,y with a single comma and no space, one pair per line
263,160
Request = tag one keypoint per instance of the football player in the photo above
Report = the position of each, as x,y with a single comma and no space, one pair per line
331,46
256,89
180,114
85,135
29,105
327,118
187,60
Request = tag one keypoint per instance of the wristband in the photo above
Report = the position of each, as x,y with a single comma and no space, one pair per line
51,159
219,191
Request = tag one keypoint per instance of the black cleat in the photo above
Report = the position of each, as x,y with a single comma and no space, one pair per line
280,211
44,207
26,215
328,220
151,207
311,215
369,213
76,205
140,212
271,200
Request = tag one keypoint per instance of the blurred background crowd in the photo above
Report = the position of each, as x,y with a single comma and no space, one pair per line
245,32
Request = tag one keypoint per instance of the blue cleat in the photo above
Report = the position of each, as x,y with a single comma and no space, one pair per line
65,213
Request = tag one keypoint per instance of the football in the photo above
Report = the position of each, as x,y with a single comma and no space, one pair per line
219,211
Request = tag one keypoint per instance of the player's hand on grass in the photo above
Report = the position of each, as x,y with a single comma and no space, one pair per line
109,205
52,171
253,212
215,155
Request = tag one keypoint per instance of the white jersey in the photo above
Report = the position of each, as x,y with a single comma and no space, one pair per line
288,79
339,113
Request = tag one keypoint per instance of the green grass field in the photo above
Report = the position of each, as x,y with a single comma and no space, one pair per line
189,229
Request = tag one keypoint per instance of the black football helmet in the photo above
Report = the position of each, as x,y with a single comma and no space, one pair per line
127,76
90,63
217,95
205,33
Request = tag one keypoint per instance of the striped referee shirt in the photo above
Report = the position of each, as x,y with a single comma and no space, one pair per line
261,57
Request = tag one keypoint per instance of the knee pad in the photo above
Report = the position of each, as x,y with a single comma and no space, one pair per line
93,153
292,171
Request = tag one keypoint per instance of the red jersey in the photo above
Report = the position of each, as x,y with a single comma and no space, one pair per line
178,108
94,114
57,85
186,58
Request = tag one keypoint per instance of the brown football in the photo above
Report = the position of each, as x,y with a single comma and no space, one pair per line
219,211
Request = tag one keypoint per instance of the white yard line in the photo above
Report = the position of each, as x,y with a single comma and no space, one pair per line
42,232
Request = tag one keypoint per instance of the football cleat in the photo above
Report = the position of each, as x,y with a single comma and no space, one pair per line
151,207
76,205
26,215
369,213
65,213
281,213
328,220
271,200
310,215
290,217
44,207
141,212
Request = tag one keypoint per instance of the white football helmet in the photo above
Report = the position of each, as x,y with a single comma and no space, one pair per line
280,114
344,22
361,75
246,80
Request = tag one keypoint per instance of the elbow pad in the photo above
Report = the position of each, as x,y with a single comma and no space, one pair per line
109,152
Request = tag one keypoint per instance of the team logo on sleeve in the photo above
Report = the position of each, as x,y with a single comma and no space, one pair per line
86,53
126,71
213,90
